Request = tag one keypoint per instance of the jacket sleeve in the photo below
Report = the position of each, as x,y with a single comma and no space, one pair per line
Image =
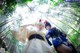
47,38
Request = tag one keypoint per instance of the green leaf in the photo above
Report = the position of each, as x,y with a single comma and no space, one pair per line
56,2
25,1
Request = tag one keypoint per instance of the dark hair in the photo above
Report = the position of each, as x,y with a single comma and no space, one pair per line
37,36
47,24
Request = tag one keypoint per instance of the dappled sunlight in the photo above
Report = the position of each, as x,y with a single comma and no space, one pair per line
22,19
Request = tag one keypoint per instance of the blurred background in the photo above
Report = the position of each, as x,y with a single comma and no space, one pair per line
63,14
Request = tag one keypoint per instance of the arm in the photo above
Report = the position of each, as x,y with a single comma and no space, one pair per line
27,25
47,38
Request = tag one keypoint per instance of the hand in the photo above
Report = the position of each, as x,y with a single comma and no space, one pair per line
53,49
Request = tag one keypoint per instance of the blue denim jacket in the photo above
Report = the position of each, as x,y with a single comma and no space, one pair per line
57,37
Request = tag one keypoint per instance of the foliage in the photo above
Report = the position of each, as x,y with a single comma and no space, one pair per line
56,2
67,17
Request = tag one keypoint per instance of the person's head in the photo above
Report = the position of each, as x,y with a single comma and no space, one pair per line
47,25
40,26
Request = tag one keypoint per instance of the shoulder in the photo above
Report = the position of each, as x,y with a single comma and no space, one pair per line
54,28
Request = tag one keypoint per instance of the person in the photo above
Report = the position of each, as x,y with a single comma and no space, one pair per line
37,44
61,44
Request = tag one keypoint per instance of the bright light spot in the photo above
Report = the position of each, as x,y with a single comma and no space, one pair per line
70,30
20,43
56,0
43,8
